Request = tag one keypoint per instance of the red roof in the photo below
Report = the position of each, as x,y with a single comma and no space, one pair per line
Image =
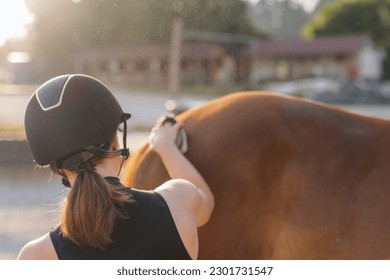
317,46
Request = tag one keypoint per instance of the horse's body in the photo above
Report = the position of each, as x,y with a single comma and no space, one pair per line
292,179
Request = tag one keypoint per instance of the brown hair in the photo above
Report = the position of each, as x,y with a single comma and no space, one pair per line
91,209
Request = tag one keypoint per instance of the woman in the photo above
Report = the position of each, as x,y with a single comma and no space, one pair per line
71,124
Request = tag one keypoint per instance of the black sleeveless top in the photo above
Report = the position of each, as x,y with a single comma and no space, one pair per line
149,234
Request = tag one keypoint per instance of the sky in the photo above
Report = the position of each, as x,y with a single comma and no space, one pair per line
14,17
308,5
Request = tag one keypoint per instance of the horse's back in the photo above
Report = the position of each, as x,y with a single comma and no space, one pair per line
291,178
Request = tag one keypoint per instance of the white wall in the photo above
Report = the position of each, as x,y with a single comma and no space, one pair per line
370,62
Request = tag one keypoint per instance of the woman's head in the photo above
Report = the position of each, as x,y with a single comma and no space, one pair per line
71,123
69,119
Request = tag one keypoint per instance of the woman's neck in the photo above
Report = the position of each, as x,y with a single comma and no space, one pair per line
108,167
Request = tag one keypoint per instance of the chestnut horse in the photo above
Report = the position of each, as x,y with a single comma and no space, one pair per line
292,178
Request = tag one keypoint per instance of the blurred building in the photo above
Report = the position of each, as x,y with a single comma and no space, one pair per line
349,57
147,64
338,57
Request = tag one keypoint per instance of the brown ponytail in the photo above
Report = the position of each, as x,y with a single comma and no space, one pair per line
91,209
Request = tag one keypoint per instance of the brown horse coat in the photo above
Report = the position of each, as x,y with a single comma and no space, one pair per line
292,179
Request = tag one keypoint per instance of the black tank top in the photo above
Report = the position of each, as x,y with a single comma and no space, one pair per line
149,234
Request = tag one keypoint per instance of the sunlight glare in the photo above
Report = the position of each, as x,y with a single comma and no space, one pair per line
308,5
14,16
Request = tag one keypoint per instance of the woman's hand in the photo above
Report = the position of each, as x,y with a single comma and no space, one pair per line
163,138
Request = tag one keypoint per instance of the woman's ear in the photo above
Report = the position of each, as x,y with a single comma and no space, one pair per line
115,142
69,177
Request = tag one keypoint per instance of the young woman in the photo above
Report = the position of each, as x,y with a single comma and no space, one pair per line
71,124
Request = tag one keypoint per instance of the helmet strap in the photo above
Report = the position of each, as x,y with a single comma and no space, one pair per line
74,161
125,150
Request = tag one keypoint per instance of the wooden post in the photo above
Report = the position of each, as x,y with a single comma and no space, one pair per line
175,58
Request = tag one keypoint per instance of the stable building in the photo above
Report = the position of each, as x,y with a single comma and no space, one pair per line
347,57
148,64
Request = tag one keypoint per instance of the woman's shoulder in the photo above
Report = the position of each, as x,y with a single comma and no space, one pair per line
171,190
38,249
180,195
178,188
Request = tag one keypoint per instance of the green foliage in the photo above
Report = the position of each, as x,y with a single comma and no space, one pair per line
218,15
281,18
353,17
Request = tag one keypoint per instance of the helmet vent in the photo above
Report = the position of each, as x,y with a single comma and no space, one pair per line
51,97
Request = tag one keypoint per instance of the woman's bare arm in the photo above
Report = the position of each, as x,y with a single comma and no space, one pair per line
162,140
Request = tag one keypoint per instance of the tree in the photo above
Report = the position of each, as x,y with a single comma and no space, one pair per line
282,18
321,3
353,17
64,27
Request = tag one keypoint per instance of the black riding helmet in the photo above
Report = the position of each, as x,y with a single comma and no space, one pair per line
69,118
